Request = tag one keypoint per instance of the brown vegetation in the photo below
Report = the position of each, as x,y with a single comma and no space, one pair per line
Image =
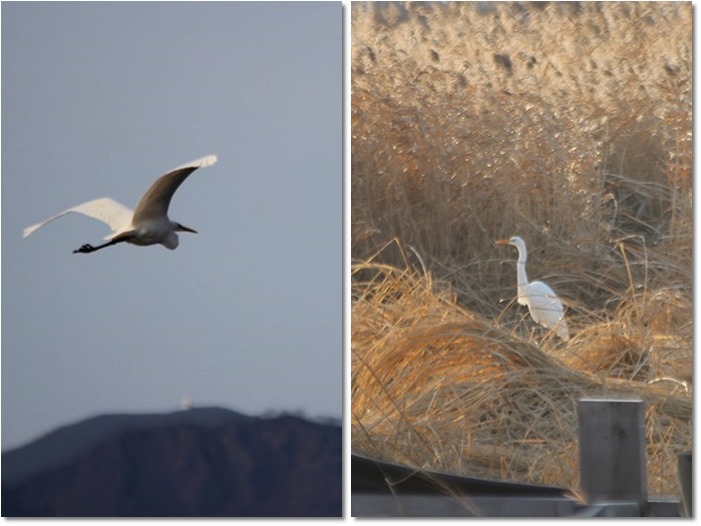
569,125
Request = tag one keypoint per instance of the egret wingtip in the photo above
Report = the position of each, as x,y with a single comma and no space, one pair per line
208,160
203,162
27,231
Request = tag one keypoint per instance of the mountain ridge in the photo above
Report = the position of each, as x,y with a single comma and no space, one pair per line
197,462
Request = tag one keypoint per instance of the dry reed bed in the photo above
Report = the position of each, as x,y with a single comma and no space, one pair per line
436,386
570,125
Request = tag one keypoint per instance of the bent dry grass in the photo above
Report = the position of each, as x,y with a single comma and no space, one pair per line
437,386
566,124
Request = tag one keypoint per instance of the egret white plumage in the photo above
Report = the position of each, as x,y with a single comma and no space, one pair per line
148,223
543,304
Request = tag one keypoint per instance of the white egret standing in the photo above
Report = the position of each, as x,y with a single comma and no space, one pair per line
543,304
148,224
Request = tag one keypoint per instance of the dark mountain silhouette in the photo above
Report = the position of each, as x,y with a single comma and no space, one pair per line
205,462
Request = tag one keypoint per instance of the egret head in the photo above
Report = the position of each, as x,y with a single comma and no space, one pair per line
514,241
517,242
171,241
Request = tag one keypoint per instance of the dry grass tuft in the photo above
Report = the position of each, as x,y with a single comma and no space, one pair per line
648,340
568,124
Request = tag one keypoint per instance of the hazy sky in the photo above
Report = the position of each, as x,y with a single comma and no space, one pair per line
98,100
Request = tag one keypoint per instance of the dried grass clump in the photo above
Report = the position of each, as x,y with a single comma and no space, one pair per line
648,340
436,386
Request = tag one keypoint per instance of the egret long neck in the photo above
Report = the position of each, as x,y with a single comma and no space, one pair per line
521,277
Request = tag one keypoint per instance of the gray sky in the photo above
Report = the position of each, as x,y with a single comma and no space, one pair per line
99,99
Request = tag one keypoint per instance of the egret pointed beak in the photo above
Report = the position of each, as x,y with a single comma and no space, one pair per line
187,229
503,242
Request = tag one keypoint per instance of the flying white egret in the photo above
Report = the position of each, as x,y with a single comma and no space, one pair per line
543,304
148,224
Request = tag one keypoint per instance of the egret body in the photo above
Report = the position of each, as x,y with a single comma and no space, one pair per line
543,304
148,223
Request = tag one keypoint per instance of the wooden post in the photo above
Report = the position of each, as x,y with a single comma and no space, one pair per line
612,460
685,473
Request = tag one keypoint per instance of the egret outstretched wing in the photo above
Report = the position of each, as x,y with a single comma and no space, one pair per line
107,210
156,200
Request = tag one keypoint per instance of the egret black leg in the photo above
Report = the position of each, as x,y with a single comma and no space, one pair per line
87,248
